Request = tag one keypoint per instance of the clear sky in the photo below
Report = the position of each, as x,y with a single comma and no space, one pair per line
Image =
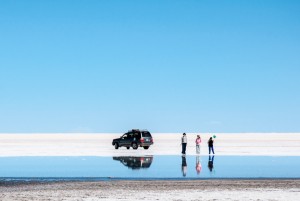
162,65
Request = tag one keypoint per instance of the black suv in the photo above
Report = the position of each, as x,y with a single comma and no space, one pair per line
134,138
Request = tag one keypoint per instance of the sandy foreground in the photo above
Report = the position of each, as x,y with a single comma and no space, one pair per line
154,190
278,144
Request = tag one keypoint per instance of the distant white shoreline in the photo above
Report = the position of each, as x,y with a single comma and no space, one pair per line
166,133
100,144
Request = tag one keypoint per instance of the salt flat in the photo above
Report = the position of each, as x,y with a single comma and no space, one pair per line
99,144
84,144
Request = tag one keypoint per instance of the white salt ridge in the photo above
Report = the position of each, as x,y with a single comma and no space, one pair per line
86,144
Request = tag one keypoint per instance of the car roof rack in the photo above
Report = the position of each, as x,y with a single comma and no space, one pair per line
138,130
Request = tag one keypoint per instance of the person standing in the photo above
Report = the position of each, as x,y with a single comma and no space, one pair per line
183,143
211,145
198,141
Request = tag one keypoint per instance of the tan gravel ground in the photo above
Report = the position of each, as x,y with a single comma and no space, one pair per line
152,190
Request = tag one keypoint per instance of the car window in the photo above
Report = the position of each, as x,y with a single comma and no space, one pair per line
146,134
137,135
129,135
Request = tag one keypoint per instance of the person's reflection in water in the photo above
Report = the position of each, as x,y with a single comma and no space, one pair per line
183,166
198,165
211,163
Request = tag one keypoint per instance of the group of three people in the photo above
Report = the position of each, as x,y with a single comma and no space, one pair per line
198,142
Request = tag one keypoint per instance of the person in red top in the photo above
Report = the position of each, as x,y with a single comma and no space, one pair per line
198,141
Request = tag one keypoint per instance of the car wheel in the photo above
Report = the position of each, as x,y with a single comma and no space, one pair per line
146,147
128,147
116,146
134,145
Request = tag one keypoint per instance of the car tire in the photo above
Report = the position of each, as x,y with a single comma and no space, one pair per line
146,147
128,147
116,146
134,145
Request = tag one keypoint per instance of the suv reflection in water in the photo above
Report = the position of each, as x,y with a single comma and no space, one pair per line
135,162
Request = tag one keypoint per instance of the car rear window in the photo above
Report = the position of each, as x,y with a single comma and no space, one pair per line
146,134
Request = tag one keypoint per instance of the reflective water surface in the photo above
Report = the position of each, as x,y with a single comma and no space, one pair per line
149,167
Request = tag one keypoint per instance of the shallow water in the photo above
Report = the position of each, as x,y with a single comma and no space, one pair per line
149,167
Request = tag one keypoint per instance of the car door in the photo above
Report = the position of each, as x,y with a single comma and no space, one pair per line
147,138
128,139
124,140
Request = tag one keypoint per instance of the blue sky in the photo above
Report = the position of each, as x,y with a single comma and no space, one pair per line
167,66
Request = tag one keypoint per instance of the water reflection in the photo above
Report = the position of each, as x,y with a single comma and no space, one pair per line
198,165
145,167
183,166
211,164
135,162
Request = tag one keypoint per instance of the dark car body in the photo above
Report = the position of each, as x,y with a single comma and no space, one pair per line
134,138
135,162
